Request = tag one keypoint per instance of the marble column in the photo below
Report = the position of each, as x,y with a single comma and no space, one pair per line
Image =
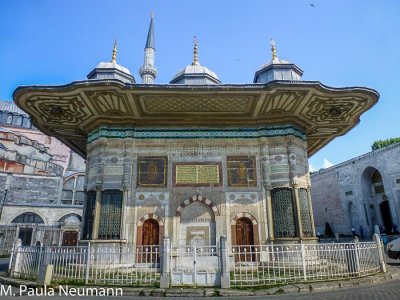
96,223
267,199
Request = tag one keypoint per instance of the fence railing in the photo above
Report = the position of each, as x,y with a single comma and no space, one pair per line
251,265
106,265
263,265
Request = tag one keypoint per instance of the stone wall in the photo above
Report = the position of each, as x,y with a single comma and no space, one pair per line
327,203
350,197
32,189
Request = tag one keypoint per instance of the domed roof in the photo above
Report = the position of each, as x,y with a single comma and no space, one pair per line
196,71
277,69
275,61
195,74
112,65
111,70
9,106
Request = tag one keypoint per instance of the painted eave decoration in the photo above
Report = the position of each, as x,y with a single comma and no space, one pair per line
70,112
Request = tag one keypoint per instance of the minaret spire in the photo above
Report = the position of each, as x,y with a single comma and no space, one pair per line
195,51
273,50
148,72
114,54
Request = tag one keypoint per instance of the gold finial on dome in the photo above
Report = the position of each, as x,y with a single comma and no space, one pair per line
273,49
195,52
114,54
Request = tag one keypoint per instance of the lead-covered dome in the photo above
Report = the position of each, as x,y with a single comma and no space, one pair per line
277,69
112,70
195,74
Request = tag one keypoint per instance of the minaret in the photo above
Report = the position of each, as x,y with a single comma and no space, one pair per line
148,72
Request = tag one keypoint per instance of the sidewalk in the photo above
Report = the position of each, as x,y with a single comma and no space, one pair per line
393,273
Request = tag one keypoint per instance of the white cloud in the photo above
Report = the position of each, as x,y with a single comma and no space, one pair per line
327,164
311,168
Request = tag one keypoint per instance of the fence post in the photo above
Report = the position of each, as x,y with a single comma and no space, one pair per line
224,256
88,249
357,255
165,264
15,258
379,247
303,260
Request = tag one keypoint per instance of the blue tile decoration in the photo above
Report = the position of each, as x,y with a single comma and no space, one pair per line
194,133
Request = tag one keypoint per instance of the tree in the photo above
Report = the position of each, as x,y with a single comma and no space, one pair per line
383,143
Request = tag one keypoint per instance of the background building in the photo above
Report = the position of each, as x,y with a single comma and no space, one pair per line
41,184
363,191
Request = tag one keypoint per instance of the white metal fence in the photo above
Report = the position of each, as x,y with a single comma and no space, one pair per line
106,265
251,265
263,265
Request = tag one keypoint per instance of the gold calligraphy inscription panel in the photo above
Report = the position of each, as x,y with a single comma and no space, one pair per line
207,174
197,174
186,174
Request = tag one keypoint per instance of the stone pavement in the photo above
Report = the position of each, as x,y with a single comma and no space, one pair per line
301,288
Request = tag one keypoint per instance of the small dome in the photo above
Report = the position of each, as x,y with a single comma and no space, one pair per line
195,74
112,65
277,69
111,70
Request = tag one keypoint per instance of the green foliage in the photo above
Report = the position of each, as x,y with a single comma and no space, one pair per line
383,143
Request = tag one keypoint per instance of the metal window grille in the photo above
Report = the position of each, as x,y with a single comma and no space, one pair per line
305,213
89,215
110,215
283,213
28,217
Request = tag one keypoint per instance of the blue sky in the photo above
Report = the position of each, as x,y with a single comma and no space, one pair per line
338,42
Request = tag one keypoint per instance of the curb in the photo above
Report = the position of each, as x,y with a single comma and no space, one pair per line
295,288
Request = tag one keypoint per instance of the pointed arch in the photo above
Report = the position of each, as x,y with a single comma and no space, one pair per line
151,216
194,198
244,215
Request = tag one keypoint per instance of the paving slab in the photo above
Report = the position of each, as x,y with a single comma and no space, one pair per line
184,292
233,292
321,286
290,289
350,283
303,287
157,293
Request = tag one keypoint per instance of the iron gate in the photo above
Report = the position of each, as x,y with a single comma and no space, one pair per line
195,265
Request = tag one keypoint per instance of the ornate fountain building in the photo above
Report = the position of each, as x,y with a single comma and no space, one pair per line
195,159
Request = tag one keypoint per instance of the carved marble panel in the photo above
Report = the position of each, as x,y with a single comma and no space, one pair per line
242,198
152,198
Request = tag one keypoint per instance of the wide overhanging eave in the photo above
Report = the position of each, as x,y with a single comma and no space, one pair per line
88,104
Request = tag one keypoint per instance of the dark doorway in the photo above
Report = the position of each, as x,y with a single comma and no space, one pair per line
244,240
150,241
70,238
150,233
386,216
244,232
25,234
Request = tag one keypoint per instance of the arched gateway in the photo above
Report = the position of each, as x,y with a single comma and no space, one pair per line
197,221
